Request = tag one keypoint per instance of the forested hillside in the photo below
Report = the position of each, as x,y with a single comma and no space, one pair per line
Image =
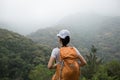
86,30
19,55
96,37
23,59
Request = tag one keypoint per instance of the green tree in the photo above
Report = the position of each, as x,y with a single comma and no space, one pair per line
93,63
40,72
113,69
101,74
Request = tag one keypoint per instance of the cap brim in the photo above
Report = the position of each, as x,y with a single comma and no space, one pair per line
58,35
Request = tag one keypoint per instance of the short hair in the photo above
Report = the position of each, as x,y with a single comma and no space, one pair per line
65,41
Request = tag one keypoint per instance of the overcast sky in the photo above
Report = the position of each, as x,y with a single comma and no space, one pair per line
25,16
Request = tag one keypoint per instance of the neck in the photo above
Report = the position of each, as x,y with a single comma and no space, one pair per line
64,46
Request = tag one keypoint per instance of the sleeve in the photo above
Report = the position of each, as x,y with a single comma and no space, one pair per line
54,52
77,51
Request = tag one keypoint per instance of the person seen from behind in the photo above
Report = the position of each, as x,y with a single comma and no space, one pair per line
66,59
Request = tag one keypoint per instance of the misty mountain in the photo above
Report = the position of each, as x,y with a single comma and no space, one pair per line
86,30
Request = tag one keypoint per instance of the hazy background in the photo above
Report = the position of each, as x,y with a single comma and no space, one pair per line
26,16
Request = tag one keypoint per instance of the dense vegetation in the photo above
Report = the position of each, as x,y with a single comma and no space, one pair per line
19,55
24,59
96,69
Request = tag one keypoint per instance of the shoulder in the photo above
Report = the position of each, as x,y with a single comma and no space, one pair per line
55,52
56,49
77,50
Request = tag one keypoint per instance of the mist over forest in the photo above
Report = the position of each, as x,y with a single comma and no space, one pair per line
25,57
28,31
86,30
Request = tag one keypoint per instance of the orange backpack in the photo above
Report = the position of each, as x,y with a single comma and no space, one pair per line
68,68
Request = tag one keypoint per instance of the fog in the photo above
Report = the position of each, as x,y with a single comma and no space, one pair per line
26,16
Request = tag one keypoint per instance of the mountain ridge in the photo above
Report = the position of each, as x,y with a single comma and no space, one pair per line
86,31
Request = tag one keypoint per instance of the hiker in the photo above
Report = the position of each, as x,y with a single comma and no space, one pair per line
66,59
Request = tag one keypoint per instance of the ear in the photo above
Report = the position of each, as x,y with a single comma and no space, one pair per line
59,39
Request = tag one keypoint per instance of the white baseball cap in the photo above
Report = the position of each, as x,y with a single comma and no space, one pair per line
63,33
